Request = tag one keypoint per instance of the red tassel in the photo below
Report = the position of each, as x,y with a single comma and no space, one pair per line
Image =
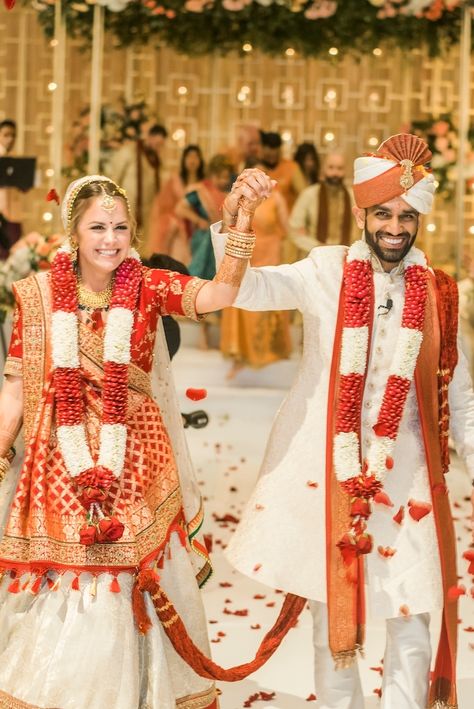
115,586
142,618
50,583
25,585
14,587
36,586
75,584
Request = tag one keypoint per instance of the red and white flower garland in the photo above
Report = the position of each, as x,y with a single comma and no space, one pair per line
364,481
93,477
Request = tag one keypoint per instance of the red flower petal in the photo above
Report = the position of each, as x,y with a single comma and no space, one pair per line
389,462
53,196
196,394
455,592
386,552
311,698
418,510
257,567
398,518
310,483
382,498
257,626
404,610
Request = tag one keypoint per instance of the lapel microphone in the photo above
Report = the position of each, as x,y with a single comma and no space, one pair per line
385,309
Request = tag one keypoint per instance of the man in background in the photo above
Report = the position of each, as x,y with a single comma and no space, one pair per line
247,150
322,213
10,197
137,166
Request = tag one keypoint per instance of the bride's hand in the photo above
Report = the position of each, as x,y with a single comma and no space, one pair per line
250,189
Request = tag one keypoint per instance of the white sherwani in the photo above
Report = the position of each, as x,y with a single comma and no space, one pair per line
282,536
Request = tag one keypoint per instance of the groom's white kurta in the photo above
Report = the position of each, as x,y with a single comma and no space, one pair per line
282,537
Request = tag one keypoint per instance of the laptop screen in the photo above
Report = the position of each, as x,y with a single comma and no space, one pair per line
17,172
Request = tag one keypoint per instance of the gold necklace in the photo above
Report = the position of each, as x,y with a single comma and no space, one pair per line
90,300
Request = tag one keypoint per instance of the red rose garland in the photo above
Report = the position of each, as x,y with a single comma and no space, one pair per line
364,481
93,478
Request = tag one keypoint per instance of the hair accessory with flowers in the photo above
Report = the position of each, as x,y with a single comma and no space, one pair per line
363,481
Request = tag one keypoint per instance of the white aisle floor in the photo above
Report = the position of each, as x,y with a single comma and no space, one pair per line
227,455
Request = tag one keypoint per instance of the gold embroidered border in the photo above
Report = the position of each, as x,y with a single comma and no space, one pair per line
197,701
13,366
189,298
119,554
9,702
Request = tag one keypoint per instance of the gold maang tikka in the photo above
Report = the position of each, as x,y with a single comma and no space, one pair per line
107,202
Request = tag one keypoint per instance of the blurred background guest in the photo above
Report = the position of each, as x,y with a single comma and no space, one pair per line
247,150
137,167
307,158
167,233
201,207
256,339
10,197
323,212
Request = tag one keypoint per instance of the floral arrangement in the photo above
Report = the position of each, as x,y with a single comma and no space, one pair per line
118,123
33,252
311,27
363,480
443,139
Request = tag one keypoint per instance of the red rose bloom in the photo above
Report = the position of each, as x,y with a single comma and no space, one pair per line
110,530
360,508
364,544
88,535
347,548
92,494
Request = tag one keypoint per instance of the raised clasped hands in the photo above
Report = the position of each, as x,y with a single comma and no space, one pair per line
249,190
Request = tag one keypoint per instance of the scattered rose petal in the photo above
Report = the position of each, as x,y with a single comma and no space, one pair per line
469,629
53,196
257,567
378,692
242,613
398,518
404,610
221,634
225,584
271,604
259,597
215,640
226,518
377,669
455,592
386,552
418,510
213,621
311,483
259,507
257,626
196,394
311,698
381,498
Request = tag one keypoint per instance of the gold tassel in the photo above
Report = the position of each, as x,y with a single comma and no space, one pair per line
344,659
93,590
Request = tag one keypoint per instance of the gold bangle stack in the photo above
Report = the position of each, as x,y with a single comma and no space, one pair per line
240,244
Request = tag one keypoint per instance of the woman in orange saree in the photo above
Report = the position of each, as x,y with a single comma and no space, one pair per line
99,496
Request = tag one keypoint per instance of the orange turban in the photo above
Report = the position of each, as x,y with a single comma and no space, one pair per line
395,170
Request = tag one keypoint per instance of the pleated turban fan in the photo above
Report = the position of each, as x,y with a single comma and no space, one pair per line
396,169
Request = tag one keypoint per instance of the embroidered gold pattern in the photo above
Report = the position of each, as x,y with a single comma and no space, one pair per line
189,298
407,180
13,366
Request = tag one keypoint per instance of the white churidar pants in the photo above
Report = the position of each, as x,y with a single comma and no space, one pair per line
406,665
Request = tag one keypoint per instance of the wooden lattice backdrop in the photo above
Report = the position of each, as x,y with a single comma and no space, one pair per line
359,102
